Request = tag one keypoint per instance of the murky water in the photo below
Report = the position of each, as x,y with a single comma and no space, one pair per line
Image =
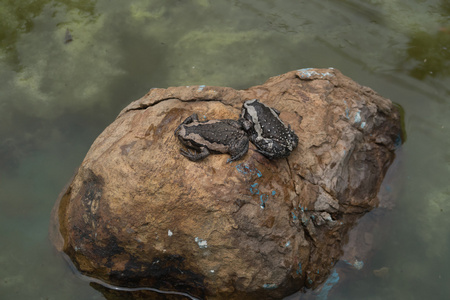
56,97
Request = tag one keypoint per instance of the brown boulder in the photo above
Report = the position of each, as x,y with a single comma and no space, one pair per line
139,214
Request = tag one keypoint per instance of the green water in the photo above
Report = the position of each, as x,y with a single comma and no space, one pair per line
57,97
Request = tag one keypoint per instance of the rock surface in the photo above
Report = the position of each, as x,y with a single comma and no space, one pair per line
139,214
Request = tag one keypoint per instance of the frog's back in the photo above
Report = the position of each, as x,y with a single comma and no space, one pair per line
271,126
216,131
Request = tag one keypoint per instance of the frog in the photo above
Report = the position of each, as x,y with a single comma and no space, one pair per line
271,136
212,136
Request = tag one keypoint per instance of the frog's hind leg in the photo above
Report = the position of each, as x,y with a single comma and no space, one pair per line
269,155
239,150
190,119
194,156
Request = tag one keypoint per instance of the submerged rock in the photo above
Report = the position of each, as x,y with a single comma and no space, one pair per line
139,214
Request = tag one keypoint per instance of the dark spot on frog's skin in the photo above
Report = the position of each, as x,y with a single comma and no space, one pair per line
266,130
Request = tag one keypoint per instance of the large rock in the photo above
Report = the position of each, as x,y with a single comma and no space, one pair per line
139,214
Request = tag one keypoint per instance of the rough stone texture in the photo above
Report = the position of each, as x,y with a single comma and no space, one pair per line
139,214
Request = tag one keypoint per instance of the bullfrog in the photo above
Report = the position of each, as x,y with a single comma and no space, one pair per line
272,137
212,136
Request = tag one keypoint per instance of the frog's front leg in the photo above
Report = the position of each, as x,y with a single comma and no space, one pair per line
276,111
190,119
194,156
266,154
245,124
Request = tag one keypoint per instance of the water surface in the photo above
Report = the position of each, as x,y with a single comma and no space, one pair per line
56,97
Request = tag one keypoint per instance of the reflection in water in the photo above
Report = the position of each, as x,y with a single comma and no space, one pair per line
112,292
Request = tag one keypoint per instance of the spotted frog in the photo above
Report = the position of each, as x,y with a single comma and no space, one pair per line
213,136
272,137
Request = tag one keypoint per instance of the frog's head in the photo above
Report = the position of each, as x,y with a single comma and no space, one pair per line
277,148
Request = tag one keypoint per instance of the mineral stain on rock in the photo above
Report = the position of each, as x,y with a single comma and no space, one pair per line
127,148
253,229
